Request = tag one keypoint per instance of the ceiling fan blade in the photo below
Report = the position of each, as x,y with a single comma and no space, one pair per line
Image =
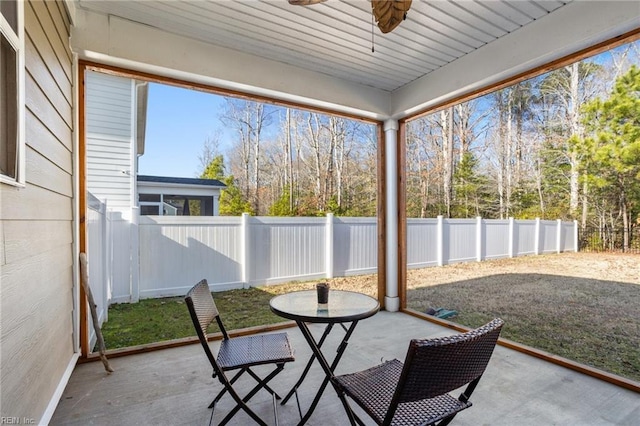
389,13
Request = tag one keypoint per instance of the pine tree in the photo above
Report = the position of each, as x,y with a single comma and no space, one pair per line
611,152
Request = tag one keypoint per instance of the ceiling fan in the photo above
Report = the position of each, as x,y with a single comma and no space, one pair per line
388,13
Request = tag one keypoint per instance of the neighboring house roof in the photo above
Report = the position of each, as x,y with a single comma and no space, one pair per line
181,181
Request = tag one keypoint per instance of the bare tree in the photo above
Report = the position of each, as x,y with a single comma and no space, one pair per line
249,120
446,124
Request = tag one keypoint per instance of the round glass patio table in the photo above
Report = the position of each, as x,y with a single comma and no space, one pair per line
342,307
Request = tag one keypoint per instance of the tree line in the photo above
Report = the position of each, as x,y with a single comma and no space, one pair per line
288,162
561,145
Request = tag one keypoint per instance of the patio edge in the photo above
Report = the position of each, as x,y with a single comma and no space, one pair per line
544,355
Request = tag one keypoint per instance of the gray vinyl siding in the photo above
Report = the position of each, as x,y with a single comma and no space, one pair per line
36,226
110,140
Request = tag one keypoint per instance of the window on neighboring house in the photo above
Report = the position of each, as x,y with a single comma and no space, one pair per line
11,92
175,205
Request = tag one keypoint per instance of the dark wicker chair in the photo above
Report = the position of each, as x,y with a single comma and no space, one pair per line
417,392
238,353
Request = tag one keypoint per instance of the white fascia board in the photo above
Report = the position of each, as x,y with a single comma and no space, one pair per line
177,189
118,42
571,28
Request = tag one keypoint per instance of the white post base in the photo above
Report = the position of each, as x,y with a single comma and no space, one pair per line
392,304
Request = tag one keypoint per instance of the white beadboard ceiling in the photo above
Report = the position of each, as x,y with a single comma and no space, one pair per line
335,37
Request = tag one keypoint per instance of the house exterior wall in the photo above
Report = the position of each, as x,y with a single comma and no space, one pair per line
110,118
36,227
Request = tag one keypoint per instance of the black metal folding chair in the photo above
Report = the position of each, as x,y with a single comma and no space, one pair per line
417,392
238,353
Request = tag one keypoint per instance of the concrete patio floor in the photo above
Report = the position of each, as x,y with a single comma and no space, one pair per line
174,386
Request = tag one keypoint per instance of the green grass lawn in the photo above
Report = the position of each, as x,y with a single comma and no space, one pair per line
156,320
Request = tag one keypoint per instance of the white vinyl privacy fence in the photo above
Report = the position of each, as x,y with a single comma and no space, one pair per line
175,252
165,255
437,242
235,252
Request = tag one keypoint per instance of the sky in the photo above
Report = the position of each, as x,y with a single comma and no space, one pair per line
179,121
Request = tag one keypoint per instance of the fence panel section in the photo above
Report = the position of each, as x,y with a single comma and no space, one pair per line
178,251
460,240
355,246
524,237
282,249
422,237
121,265
97,259
548,236
495,243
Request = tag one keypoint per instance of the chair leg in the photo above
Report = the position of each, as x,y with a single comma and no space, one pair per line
295,390
275,407
464,397
347,408
265,385
224,389
241,403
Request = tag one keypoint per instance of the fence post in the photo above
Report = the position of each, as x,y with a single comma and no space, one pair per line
576,244
328,244
107,270
479,239
440,241
559,236
134,266
512,224
245,246
537,240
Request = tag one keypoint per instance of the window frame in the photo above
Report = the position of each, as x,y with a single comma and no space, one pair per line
17,41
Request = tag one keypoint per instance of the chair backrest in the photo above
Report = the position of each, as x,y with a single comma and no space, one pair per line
203,312
436,366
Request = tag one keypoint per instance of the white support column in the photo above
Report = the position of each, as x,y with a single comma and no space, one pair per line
328,244
440,241
479,237
512,225
245,246
536,243
576,244
559,236
391,299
